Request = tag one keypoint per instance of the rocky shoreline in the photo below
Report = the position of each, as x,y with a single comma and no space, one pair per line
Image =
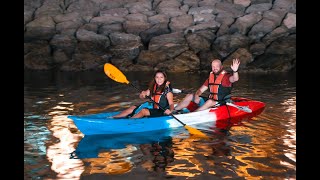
174,35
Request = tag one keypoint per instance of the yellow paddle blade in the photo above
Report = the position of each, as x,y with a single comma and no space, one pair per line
195,132
114,73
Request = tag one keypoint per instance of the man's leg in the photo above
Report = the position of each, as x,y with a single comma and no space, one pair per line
209,103
185,102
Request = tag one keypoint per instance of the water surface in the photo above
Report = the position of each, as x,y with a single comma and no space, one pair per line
261,148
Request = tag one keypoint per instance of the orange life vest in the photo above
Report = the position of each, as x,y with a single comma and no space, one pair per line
160,97
217,91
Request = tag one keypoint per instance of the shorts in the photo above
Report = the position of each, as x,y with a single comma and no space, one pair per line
193,106
156,112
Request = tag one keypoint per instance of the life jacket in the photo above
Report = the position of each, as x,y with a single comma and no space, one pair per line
160,97
217,91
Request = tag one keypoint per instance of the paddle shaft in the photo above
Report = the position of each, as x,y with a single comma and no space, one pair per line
158,105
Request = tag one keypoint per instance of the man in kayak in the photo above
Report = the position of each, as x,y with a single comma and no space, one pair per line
160,91
219,84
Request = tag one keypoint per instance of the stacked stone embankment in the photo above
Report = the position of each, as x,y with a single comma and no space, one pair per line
174,35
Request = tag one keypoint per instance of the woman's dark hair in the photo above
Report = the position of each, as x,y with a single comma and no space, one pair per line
153,82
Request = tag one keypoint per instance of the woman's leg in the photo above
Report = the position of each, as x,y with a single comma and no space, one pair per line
125,112
144,112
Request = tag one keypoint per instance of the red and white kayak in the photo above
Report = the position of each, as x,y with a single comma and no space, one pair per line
221,117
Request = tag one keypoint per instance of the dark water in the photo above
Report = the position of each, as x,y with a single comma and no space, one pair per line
261,148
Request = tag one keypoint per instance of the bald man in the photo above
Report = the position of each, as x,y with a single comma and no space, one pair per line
219,84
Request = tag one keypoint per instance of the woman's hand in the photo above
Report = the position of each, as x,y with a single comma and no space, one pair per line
167,112
143,94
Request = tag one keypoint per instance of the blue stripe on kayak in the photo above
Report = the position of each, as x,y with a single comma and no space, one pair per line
100,125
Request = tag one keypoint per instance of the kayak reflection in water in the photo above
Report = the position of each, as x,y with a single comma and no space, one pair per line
160,91
219,84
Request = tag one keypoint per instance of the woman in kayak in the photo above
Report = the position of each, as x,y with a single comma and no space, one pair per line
159,91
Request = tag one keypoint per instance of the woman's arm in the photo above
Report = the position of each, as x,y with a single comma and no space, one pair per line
171,104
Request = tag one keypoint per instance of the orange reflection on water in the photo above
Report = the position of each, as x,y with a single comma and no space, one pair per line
59,153
254,157
110,162
263,155
187,152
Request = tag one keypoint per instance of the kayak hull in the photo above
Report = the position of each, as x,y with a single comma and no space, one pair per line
222,116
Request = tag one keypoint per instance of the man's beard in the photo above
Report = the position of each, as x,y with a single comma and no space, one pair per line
217,72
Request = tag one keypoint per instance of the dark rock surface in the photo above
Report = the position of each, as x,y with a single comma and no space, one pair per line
144,35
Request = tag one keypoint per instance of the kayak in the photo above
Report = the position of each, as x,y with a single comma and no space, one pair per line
221,117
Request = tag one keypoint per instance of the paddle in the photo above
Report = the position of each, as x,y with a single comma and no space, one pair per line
242,108
116,75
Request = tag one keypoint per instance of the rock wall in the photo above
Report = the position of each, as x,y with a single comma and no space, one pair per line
144,35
